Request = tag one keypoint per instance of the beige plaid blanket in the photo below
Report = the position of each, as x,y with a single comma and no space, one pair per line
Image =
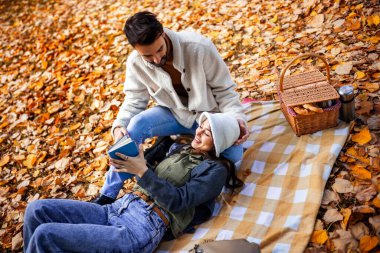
284,179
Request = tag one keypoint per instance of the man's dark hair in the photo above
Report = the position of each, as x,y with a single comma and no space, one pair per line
143,28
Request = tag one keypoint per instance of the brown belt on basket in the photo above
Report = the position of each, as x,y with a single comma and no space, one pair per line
155,207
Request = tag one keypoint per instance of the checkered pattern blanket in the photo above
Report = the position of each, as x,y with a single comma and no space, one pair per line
284,179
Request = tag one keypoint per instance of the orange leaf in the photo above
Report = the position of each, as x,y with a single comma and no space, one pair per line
44,64
367,242
30,161
376,202
360,172
319,236
363,137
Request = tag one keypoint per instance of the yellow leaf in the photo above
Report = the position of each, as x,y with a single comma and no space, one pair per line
248,42
346,212
259,39
30,148
319,236
274,19
361,172
376,19
363,137
30,161
313,13
280,39
373,20
367,243
4,160
359,75
87,170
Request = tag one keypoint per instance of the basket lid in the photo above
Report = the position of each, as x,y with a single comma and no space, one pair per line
309,93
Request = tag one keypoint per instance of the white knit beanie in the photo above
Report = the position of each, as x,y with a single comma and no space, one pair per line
225,130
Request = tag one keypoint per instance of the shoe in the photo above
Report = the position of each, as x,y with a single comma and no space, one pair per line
103,200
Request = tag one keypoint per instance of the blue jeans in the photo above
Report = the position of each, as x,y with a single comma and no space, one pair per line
60,225
156,121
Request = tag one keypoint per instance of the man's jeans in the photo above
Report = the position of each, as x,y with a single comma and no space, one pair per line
60,225
157,121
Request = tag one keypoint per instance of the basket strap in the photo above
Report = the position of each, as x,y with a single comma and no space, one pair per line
304,56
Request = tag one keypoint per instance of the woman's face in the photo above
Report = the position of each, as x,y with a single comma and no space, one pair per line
203,137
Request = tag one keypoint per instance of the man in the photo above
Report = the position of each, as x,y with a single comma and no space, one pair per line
184,73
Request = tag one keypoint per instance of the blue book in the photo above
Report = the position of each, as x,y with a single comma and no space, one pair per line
124,146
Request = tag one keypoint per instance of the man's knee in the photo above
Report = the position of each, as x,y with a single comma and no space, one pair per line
137,126
33,210
44,236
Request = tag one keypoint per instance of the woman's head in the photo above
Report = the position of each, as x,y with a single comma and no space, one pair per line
216,132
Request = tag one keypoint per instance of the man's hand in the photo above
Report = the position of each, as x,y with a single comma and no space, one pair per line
244,133
119,132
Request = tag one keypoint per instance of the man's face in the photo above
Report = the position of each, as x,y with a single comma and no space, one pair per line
154,53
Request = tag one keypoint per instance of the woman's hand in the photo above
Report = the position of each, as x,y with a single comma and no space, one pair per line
134,165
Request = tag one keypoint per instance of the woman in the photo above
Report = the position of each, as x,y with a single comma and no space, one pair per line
178,194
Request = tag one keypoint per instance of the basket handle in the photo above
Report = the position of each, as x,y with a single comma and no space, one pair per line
303,56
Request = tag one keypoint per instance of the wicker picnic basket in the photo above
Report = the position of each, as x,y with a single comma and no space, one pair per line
305,88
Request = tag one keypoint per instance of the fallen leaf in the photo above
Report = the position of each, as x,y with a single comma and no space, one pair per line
329,196
17,242
360,172
346,212
343,68
363,209
332,215
342,186
4,160
359,75
345,241
375,222
317,21
319,237
366,194
359,230
363,137
30,161
367,243
371,87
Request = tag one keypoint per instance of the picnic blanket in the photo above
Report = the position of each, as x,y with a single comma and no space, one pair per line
284,178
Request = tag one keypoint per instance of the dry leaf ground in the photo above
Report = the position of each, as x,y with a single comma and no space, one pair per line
61,76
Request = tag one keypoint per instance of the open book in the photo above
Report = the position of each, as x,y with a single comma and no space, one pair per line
125,146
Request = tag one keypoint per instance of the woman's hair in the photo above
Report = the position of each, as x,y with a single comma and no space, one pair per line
143,28
232,181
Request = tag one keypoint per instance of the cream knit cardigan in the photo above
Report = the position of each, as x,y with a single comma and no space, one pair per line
204,75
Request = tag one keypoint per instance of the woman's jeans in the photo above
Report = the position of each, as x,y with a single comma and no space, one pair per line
156,121
60,225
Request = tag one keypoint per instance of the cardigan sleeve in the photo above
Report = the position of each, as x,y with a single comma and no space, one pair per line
219,79
206,183
136,96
